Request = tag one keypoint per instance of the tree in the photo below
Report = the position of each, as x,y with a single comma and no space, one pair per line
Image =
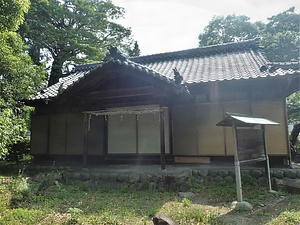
281,36
293,111
135,51
227,29
73,30
19,78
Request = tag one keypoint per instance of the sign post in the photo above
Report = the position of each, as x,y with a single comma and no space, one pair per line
249,146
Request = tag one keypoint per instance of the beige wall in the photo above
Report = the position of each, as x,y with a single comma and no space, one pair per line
195,131
57,135
130,134
39,134
74,132
276,135
66,134
96,136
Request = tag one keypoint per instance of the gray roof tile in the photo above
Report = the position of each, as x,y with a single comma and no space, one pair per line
232,61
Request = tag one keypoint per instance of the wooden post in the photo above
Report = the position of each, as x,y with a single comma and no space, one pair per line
170,130
105,138
85,150
48,134
238,179
267,159
162,139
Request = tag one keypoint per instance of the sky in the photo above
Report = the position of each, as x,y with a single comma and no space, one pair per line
171,25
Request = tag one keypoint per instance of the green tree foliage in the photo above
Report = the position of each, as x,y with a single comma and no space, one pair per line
293,107
135,51
19,78
73,31
223,29
280,35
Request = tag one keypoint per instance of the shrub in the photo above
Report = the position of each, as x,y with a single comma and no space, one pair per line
18,150
19,189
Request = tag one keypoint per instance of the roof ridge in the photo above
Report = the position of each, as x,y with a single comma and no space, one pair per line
206,50
83,67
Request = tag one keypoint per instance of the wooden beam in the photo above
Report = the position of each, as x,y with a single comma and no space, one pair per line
121,93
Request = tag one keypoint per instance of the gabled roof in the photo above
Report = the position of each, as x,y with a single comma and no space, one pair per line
231,61
83,71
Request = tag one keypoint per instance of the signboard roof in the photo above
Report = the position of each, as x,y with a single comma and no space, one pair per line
243,120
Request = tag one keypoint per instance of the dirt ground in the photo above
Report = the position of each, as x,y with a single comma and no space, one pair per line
261,214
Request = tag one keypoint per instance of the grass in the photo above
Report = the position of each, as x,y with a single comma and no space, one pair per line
48,200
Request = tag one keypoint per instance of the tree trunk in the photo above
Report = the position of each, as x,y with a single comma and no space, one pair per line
56,72
294,134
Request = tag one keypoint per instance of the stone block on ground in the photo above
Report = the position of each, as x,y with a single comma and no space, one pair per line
290,174
188,195
169,179
157,178
152,186
231,173
228,179
134,178
146,177
208,179
184,187
203,173
75,176
84,176
278,174
161,219
218,179
104,176
262,180
95,176
241,206
288,184
122,178
113,176
223,173
256,173
179,179
213,173
195,172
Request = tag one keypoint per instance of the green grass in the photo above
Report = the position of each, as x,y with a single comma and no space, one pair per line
48,201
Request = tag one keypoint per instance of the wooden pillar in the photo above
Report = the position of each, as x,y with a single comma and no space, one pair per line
48,134
237,167
85,147
162,139
170,130
105,138
267,165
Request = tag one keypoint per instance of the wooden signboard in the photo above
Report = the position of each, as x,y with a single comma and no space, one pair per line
250,145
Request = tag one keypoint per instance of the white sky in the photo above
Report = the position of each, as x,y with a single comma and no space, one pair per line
171,25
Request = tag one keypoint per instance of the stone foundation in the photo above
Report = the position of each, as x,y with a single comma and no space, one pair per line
179,181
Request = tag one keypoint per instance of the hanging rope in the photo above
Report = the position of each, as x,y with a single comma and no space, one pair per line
123,111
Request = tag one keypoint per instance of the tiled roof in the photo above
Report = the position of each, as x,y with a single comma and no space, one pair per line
241,60
82,71
232,61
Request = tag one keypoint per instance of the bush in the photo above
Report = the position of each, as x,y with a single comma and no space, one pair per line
18,150
19,189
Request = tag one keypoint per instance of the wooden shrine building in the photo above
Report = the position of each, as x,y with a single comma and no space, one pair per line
162,107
